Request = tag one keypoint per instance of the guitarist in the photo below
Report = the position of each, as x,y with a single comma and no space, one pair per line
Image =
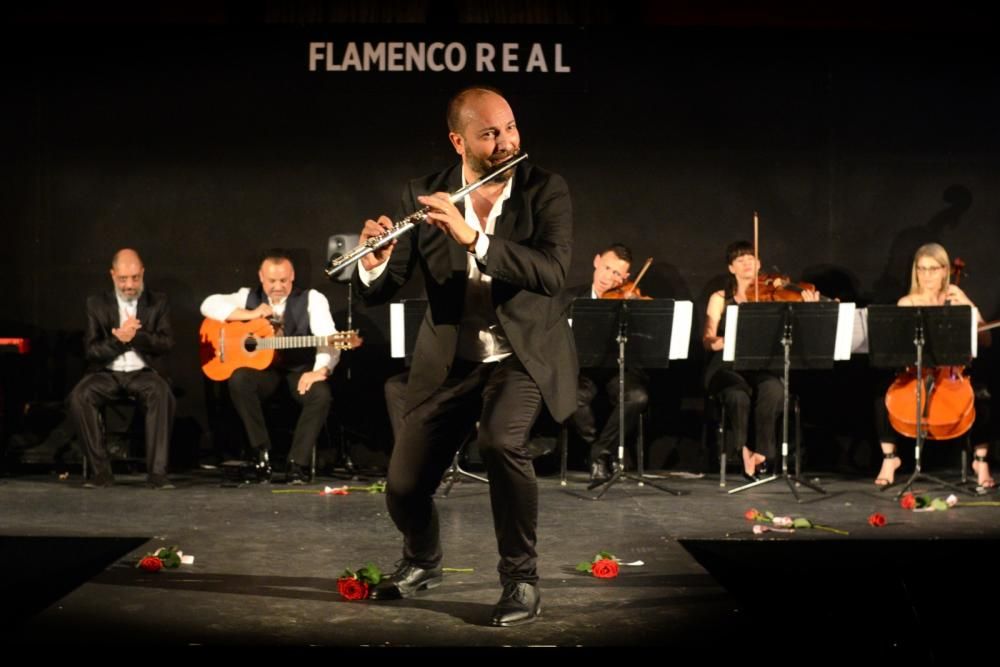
294,313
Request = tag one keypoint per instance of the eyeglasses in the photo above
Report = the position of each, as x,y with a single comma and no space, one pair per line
929,269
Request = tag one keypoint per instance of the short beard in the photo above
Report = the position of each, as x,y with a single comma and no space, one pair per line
482,167
123,297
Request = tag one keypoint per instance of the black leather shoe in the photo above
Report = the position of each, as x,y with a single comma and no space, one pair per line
263,467
520,603
101,480
751,478
599,473
159,482
296,474
406,581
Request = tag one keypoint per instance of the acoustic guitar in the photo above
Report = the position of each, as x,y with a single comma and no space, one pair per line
227,346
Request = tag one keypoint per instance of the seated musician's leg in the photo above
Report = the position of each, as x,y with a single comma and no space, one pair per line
158,403
887,442
768,403
86,400
247,388
315,409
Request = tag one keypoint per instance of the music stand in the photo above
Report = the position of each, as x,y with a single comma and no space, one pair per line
901,336
762,339
644,332
404,324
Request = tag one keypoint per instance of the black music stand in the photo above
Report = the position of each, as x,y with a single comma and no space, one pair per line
901,336
765,342
605,332
404,323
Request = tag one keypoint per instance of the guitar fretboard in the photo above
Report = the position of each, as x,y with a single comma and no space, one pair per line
289,342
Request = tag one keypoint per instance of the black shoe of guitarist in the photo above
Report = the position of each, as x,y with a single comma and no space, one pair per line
263,467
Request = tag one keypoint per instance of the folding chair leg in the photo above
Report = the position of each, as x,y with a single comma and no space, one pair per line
563,453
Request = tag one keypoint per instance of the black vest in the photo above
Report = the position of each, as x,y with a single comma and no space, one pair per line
295,323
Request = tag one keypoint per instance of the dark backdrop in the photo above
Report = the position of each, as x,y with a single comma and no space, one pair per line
201,145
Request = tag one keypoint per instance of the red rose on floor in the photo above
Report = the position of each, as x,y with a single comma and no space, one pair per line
605,569
877,520
908,501
151,564
352,589
751,515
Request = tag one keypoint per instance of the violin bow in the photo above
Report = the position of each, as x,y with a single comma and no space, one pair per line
989,325
756,257
642,272
958,271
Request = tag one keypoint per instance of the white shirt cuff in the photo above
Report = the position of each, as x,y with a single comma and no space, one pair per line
368,277
482,246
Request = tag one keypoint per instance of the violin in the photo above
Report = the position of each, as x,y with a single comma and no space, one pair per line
630,289
947,399
778,287
626,291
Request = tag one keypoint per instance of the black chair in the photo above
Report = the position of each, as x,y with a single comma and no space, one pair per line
714,420
122,430
280,414
640,448
455,472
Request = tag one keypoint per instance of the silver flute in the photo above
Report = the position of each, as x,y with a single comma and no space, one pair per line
340,262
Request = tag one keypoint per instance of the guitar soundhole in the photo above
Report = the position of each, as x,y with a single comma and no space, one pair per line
250,344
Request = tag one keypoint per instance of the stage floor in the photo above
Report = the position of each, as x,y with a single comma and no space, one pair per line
266,565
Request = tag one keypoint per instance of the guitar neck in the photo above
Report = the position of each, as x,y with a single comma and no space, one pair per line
291,342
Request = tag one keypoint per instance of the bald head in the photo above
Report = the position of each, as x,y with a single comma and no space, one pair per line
126,273
461,106
127,256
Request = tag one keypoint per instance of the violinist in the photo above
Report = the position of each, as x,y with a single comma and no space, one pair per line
930,285
611,271
743,391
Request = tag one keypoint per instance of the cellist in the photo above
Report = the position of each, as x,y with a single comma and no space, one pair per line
930,285
743,391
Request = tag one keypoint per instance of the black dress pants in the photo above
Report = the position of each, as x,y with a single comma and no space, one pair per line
96,390
505,401
741,391
604,440
248,387
395,401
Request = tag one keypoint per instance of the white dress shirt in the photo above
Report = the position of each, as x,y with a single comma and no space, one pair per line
480,335
130,360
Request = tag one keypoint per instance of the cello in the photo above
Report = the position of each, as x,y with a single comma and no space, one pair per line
946,396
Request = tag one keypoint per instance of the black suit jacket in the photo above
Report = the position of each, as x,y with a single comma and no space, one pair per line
152,341
567,296
528,258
